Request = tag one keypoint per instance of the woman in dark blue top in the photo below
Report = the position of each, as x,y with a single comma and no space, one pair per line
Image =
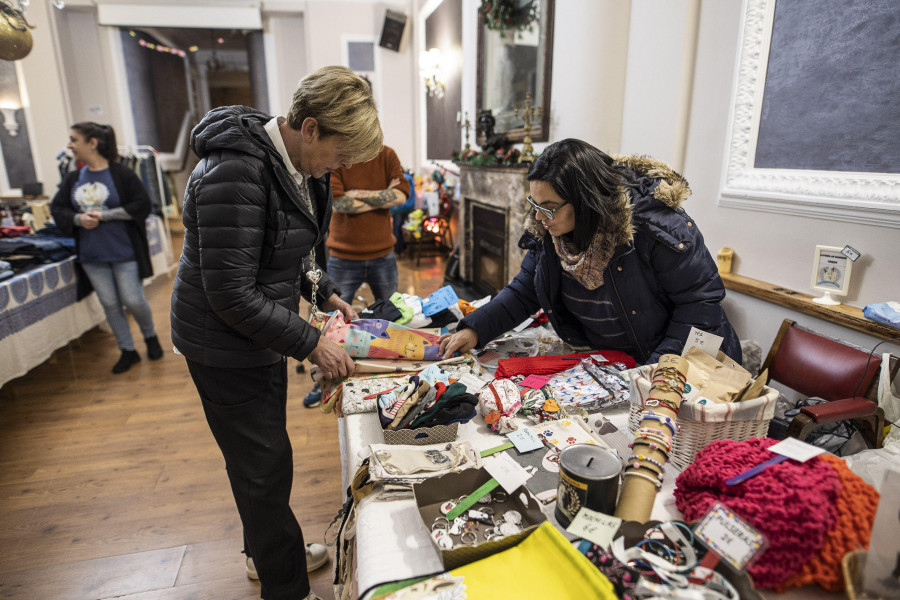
612,259
104,205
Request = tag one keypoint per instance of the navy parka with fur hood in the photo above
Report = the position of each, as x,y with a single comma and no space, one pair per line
661,283
246,248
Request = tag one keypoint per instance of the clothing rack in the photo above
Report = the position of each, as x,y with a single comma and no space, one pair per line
142,151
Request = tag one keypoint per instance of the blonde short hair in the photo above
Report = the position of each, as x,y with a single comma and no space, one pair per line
342,104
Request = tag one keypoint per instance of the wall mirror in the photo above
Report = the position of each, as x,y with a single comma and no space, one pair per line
514,62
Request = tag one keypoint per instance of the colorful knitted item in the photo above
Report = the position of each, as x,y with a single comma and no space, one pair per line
856,513
792,504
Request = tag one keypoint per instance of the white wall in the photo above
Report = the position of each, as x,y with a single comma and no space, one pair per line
327,21
49,109
772,248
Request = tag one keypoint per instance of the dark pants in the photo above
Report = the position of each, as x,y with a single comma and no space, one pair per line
246,412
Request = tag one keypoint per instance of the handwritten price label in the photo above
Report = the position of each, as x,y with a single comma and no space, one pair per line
594,526
730,537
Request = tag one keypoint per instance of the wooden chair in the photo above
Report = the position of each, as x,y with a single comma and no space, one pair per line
845,375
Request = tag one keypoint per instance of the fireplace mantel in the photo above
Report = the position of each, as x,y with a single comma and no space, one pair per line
501,191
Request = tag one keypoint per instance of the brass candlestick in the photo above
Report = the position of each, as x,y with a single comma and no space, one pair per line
529,112
462,122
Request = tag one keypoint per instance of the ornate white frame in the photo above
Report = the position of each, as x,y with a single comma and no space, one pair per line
864,198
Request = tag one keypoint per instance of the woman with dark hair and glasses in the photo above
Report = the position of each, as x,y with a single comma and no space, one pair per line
612,259
103,205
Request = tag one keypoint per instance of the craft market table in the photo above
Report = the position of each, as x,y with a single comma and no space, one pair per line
39,310
393,544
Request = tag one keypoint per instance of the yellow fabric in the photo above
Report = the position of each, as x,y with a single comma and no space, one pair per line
543,565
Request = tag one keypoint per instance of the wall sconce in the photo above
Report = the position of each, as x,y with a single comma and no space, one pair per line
9,120
431,70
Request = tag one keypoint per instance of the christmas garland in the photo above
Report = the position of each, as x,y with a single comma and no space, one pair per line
500,158
503,15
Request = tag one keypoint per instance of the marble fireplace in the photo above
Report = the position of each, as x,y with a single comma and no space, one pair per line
492,210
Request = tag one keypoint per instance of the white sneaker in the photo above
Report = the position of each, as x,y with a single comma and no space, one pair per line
251,569
316,556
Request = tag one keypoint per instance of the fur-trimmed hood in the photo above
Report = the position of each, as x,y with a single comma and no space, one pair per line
670,188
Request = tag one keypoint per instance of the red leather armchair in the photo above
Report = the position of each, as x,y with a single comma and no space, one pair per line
844,375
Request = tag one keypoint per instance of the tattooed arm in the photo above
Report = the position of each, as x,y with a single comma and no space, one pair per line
358,201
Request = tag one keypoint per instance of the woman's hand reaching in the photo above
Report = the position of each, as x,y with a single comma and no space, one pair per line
462,341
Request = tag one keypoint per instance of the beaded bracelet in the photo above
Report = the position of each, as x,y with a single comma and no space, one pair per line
646,433
648,459
667,421
641,467
651,445
658,484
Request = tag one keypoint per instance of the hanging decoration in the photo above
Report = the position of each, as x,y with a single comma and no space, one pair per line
160,48
509,15
15,39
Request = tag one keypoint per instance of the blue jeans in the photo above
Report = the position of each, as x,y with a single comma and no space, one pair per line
380,274
118,285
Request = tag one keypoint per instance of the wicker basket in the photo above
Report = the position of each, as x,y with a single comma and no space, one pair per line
701,425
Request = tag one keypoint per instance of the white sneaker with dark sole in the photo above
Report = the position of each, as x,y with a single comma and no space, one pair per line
316,557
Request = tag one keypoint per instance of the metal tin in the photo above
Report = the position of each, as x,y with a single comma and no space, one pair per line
588,477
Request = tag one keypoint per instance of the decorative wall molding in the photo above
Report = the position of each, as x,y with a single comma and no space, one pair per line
864,198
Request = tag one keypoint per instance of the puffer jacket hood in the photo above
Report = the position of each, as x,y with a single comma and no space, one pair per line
669,187
238,128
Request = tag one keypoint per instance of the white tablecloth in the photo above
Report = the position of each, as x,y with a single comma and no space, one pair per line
38,314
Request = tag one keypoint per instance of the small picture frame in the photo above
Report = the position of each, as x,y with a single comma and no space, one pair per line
831,274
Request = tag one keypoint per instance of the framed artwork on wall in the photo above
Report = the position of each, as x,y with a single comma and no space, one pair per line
814,125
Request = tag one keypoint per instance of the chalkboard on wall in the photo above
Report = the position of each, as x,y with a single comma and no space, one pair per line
831,100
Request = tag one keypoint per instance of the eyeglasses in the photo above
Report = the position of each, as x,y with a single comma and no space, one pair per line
547,212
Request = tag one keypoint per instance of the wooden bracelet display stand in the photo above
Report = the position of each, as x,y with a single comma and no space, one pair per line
653,441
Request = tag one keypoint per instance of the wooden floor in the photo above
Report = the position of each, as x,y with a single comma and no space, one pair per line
111,486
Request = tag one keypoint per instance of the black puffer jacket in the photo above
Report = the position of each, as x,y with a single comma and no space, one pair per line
236,297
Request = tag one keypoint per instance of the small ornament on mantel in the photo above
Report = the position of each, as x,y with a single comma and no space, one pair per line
462,122
529,113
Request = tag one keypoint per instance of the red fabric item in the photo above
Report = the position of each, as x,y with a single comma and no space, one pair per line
856,514
539,320
14,231
793,504
551,365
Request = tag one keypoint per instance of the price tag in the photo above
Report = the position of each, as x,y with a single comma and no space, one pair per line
439,300
525,439
730,537
703,340
851,253
535,381
472,383
594,526
599,358
794,448
508,473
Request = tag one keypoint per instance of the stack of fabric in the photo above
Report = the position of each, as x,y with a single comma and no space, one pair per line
431,398
812,513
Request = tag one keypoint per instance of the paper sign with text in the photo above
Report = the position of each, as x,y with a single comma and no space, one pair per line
439,300
508,473
535,381
594,526
794,448
730,537
703,340
525,439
